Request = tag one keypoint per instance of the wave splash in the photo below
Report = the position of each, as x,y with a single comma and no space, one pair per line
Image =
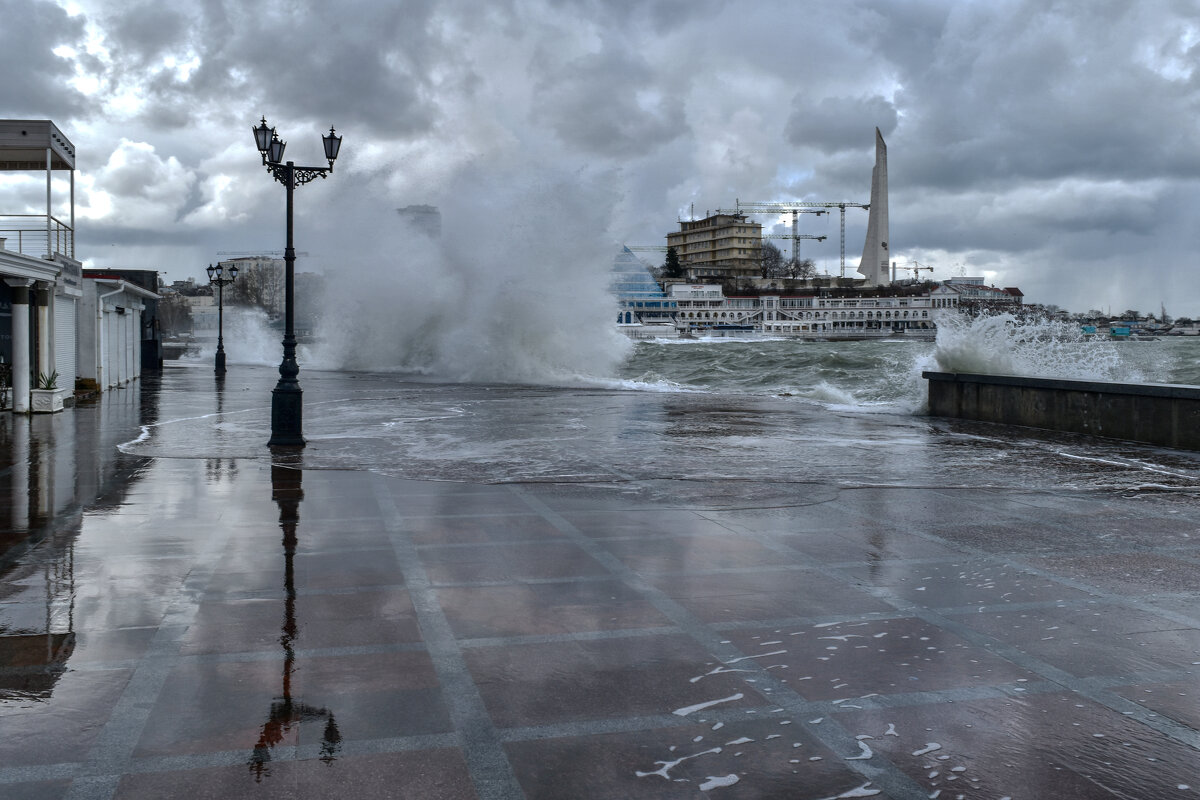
506,295
1002,344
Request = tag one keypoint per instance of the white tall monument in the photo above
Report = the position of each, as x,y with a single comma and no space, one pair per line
874,262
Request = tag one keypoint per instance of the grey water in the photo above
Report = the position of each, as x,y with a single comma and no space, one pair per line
781,418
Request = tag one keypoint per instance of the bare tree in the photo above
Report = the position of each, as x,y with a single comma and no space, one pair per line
258,284
772,261
804,269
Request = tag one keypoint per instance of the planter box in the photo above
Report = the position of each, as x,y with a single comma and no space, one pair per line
47,401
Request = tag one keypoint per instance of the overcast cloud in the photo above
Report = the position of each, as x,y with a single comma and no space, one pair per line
1051,146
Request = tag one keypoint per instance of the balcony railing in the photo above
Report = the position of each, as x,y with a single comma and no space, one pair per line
37,235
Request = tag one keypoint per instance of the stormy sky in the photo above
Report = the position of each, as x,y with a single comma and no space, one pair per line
1051,146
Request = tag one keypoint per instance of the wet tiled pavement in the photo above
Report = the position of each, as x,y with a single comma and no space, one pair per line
184,627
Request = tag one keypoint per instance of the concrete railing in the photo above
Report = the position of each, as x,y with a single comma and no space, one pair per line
1160,414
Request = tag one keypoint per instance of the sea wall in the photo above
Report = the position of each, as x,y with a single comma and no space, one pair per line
1160,414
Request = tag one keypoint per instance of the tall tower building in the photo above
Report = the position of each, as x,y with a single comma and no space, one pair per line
874,262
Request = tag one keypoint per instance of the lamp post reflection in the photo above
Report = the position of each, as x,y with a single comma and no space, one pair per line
286,712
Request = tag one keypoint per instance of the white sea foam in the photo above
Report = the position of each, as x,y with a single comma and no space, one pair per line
1001,344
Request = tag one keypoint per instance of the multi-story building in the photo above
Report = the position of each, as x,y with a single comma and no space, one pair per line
718,247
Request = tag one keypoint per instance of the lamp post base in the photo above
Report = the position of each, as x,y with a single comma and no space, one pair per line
287,410
220,368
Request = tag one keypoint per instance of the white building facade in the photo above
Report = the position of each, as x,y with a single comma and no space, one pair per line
110,331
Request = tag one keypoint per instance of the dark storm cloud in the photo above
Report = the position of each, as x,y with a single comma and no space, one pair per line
147,31
1005,93
372,66
634,17
37,83
1043,142
833,124
608,104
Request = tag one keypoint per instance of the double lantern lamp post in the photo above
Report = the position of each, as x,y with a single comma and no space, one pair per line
216,277
287,398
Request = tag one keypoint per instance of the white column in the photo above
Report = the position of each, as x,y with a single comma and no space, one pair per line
20,344
45,324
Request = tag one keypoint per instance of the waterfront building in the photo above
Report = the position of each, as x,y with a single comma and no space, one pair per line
705,309
973,296
111,333
718,247
40,278
640,299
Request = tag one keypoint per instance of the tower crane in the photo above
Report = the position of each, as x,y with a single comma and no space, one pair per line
795,237
916,268
801,207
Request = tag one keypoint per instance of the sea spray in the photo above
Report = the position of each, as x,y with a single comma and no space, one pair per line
514,291
1001,344
248,338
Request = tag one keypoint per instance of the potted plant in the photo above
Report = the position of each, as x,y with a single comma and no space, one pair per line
47,397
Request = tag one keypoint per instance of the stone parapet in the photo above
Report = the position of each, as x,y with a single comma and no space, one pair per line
1160,414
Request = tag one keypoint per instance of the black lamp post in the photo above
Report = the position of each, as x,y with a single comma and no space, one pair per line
216,277
287,398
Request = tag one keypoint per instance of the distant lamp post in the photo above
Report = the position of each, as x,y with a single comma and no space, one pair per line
216,277
287,398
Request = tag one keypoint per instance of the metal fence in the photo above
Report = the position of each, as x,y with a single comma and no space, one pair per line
37,235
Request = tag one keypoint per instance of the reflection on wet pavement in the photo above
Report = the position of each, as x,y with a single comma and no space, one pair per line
219,626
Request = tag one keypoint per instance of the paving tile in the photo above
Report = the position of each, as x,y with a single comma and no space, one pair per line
888,656
359,568
1046,745
56,719
1094,639
644,523
1178,700
208,707
365,617
957,583
546,608
509,562
36,790
867,546
537,684
1136,574
374,696
765,594
693,553
765,757
491,528
426,774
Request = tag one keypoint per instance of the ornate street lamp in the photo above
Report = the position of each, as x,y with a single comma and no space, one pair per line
216,277
287,398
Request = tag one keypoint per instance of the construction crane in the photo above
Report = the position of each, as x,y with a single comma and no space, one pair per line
255,253
795,237
647,248
916,268
800,207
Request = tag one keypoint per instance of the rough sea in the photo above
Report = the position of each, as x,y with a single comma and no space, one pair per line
771,414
